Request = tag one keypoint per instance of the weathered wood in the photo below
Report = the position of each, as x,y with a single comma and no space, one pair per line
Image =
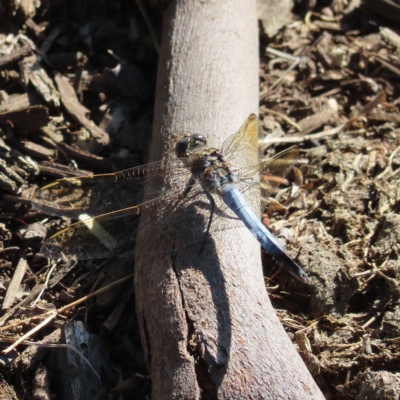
15,283
79,381
208,329
77,111
16,55
29,119
18,102
32,72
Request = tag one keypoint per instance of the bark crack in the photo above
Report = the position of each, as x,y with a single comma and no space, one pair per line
202,368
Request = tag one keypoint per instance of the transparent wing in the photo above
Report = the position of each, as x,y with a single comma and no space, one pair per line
281,163
101,194
241,149
104,236
111,234
271,172
108,207
278,166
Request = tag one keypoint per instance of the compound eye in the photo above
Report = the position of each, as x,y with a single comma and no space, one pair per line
182,145
198,140
186,144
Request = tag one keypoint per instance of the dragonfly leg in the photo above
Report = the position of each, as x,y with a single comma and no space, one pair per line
212,201
189,186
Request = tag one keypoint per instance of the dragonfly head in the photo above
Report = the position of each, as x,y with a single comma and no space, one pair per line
187,143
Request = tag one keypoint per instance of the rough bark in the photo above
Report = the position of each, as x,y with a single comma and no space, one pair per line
207,326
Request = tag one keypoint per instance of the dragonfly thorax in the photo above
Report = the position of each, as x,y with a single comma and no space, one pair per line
210,168
207,165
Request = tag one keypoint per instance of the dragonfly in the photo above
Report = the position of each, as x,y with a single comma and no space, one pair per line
108,206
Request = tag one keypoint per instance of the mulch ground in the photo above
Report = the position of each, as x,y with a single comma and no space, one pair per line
77,83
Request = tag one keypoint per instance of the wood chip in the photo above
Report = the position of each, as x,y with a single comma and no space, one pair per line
80,374
390,36
35,150
13,288
16,102
76,110
313,122
29,119
37,76
15,56
8,184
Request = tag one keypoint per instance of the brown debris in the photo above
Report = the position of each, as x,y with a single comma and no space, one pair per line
36,150
373,385
5,61
81,368
29,119
315,121
41,384
55,170
8,184
7,390
344,230
17,102
77,111
14,286
32,72
32,355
